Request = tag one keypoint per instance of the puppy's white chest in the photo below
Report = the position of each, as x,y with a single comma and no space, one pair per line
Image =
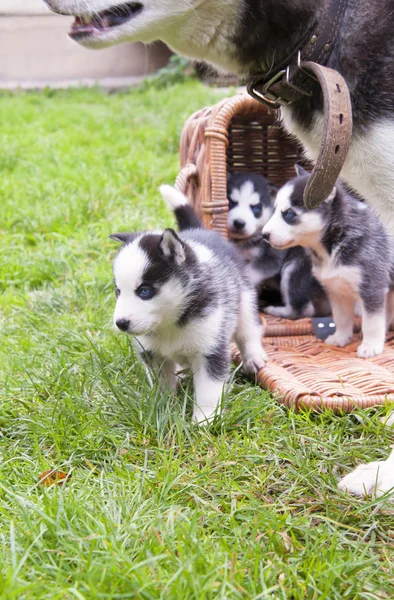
342,280
181,343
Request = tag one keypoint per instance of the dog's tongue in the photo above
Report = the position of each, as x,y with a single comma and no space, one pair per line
89,24
106,19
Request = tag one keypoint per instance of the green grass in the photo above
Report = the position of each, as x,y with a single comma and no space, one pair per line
156,507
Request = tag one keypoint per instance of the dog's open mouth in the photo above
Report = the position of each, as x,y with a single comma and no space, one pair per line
104,21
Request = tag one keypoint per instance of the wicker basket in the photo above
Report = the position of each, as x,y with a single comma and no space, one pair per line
239,134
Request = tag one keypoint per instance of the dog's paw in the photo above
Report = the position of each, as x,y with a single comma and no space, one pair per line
338,339
369,350
273,310
375,478
285,312
204,415
252,363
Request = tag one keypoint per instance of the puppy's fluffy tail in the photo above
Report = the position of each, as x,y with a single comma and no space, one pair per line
179,204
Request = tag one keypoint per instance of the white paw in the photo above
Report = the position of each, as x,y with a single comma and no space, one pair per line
375,478
252,363
368,350
204,415
280,311
338,339
272,310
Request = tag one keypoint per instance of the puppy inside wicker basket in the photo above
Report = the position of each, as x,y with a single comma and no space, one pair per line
283,278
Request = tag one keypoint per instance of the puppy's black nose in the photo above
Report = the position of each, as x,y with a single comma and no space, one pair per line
123,324
266,237
238,224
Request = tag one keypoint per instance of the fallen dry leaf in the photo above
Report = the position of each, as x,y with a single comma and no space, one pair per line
288,542
53,476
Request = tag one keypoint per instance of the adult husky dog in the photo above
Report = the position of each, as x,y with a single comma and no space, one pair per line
250,37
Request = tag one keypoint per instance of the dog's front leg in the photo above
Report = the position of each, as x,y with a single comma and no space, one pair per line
373,326
249,333
209,377
389,310
343,315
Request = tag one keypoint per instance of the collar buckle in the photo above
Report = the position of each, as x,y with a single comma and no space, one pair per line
265,95
286,91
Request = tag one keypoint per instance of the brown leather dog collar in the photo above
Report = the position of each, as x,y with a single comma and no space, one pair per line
295,78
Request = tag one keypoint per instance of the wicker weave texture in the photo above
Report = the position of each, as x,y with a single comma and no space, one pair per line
238,134
306,373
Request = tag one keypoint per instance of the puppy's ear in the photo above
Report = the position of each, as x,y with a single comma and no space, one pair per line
331,197
300,171
125,238
172,246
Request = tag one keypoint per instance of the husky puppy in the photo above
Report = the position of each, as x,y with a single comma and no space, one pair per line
250,206
253,37
184,298
280,276
352,257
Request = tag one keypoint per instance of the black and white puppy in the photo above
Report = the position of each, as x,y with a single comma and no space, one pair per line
184,298
250,206
280,276
351,254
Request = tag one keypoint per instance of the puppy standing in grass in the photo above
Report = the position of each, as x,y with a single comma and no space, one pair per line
352,257
184,298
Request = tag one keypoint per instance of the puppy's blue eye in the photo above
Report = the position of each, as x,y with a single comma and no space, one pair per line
145,292
117,292
231,204
289,216
256,210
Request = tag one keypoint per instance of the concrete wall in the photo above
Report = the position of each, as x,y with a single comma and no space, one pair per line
35,51
23,7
